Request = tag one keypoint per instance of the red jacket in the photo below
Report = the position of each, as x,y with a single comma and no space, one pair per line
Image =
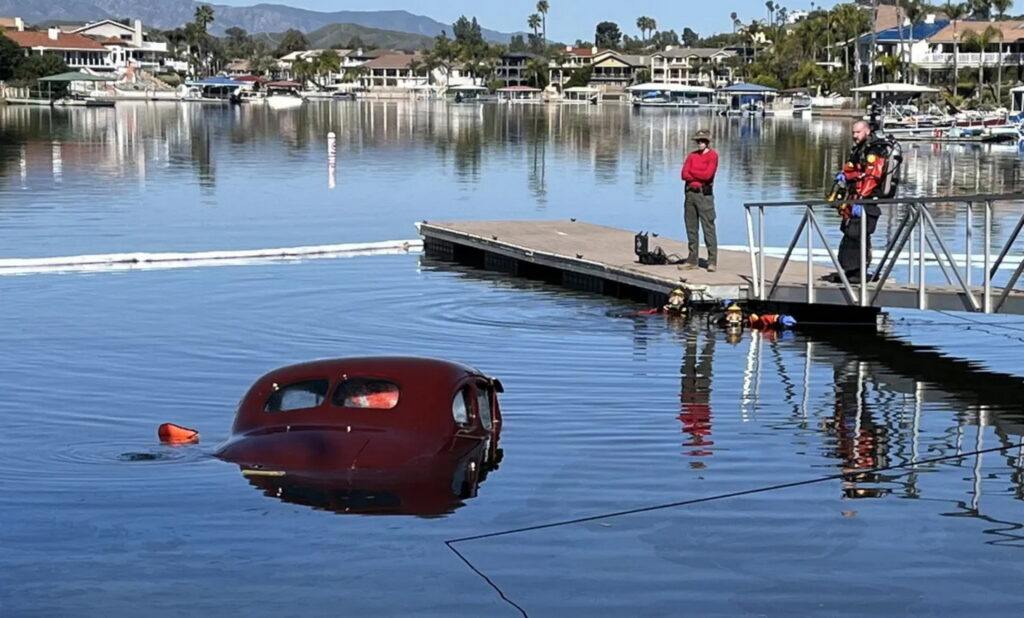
699,169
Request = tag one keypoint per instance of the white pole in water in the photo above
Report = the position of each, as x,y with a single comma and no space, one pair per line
332,149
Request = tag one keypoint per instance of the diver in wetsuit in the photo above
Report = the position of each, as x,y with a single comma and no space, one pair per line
863,175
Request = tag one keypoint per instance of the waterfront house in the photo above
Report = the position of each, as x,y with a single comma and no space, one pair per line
395,71
692,66
511,68
913,44
11,23
128,45
562,66
1007,49
77,51
614,71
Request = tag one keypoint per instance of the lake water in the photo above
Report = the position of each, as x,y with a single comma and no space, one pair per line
604,411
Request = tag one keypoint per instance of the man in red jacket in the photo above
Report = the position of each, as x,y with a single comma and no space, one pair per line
699,209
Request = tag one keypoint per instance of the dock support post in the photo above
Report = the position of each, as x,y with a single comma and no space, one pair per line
863,259
986,301
810,261
760,257
921,301
967,240
753,258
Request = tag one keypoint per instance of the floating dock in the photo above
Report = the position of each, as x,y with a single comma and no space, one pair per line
600,259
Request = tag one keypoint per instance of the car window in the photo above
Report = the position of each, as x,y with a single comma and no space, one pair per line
366,393
483,403
297,396
460,406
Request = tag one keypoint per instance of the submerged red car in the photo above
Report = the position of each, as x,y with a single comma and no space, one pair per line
369,435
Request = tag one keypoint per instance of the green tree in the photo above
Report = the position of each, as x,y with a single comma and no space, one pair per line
31,68
1001,7
517,44
981,41
542,8
292,41
607,35
537,72
533,21
689,37
955,11
468,33
10,57
203,17
580,77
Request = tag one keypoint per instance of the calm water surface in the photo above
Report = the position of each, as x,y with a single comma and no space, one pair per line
604,412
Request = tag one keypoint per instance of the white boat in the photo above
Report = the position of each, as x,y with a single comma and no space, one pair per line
520,95
581,95
654,94
468,93
284,95
249,97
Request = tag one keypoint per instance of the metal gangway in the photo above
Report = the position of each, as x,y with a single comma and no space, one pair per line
912,238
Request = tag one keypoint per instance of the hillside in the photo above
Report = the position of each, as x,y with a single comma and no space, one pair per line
338,35
166,14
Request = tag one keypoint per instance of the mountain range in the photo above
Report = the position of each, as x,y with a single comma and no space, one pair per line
167,14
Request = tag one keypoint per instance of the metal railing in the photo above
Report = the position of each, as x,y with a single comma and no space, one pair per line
915,230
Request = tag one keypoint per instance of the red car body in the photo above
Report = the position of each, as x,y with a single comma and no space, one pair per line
370,435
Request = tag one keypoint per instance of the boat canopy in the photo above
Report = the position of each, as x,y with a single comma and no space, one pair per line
77,76
745,88
654,86
896,88
217,81
518,89
468,87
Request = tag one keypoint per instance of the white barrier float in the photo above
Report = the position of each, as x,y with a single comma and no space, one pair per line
142,261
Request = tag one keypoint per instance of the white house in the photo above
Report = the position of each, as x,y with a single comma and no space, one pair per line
692,66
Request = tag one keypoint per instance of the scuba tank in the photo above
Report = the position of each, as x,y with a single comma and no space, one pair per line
893,165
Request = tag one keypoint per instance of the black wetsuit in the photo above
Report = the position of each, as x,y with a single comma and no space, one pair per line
849,246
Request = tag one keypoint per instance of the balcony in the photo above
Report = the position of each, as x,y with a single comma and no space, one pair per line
989,59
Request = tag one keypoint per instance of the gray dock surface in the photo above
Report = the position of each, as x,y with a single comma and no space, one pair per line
607,253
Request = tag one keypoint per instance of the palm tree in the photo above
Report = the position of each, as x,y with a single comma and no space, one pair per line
534,21
735,20
771,12
415,66
1001,7
327,62
982,40
955,11
537,72
914,10
542,8
891,65
203,16
303,70
753,30
642,24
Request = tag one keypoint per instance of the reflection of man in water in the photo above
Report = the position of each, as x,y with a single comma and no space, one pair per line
695,398
860,443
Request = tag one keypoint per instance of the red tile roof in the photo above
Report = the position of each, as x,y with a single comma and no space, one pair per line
33,38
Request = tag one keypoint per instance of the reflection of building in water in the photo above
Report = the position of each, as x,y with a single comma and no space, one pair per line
695,394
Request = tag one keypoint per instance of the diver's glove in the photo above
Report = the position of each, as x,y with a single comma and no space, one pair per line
856,211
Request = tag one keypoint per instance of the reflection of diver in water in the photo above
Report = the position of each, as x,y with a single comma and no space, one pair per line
860,443
695,396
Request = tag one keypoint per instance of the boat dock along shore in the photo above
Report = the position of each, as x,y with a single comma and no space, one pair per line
599,259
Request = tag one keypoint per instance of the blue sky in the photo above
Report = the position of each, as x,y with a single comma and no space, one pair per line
568,20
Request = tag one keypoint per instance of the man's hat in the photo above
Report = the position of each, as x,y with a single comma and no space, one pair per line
702,134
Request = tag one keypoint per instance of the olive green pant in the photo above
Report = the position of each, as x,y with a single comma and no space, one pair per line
699,210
